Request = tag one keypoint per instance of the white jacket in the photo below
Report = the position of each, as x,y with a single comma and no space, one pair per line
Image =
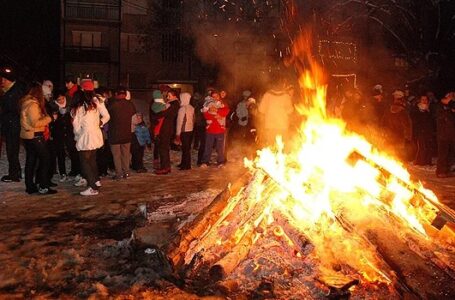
86,124
186,109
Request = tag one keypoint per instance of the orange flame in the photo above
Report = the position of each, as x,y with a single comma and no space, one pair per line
318,184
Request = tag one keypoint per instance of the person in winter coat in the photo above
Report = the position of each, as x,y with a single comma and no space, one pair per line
13,91
104,159
156,121
64,137
33,120
423,128
72,90
89,115
445,134
140,137
184,130
398,127
241,115
275,108
167,131
119,134
215,113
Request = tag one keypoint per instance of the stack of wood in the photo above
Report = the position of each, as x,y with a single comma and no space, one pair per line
223,235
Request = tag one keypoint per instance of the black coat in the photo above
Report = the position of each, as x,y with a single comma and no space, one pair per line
422,124
63,126
121,112
170,119
445,123
9,107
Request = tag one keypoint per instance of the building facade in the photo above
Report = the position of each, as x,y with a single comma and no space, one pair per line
90,40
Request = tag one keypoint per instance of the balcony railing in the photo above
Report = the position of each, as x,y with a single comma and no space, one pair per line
92,11
87,54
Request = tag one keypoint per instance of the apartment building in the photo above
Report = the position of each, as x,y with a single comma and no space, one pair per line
90,39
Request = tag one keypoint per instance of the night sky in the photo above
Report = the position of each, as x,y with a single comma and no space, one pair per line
29,37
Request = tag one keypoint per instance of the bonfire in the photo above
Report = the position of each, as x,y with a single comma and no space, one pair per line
329,217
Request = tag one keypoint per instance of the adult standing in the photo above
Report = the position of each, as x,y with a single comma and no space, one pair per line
215,113
34,120
275,108
64,137
422,130
445,127
13,91
73,90
167,131
184,130
119,134
87,125
398,127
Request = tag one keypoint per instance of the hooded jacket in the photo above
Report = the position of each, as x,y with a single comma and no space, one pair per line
185,116
276,106
32,119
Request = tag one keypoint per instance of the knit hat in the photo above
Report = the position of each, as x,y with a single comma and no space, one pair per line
49,84
246,93
8,73
87,85
157,94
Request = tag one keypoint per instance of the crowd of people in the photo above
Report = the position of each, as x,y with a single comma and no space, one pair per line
101,132
415,128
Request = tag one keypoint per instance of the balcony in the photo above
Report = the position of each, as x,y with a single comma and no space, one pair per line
92,11
87,55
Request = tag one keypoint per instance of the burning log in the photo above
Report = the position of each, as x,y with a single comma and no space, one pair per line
195,229
445,214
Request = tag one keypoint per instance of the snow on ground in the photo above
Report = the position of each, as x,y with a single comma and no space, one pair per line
66,244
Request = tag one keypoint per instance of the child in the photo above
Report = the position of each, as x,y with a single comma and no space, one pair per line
140,138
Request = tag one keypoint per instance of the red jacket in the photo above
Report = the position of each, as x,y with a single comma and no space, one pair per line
213,125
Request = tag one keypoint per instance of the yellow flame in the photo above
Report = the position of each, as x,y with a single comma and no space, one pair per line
320,178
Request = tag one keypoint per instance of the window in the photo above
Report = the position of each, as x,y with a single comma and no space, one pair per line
133,43
87,39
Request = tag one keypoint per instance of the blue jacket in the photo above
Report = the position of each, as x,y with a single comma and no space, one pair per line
143,135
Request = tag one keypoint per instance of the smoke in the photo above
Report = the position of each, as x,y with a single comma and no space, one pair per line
243,56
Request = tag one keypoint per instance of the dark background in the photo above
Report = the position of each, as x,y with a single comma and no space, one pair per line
30,38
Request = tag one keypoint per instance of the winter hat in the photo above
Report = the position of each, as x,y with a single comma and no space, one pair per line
8,73
157,94
398,94
49,84
87,85
246,93
47,88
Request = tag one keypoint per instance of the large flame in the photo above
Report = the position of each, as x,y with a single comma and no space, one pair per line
331,172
